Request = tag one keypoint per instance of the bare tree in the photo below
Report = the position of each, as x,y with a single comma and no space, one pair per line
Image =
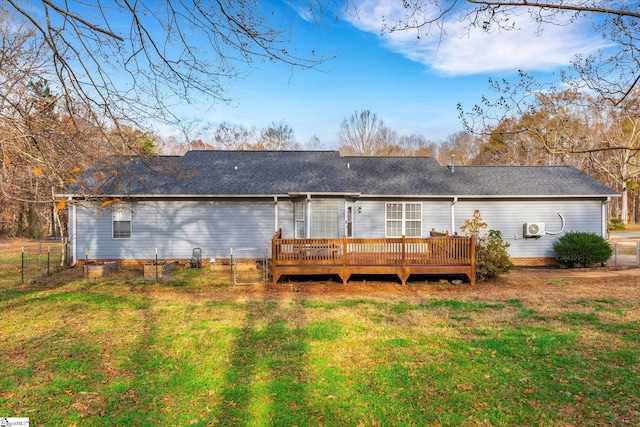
362,134
417,145
158,48
228,136
463,145
313,143
277,136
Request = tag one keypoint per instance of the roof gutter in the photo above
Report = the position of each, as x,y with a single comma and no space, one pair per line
323,193
334,194
210,196
484,196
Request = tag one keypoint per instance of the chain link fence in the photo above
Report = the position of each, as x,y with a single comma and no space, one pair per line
625,254
21,261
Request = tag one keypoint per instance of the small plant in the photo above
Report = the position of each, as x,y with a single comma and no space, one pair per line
492,258
578,249
559,282
616,224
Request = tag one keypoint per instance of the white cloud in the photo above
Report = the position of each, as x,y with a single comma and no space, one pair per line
462,49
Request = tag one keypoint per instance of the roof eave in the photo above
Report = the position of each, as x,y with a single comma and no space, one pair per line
337,194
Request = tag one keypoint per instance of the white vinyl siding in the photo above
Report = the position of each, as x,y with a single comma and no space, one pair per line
121,220
403,219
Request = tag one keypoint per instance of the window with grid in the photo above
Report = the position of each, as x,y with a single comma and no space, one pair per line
299,220
324,219
403,219
121,220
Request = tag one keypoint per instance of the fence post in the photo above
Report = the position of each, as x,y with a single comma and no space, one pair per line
404,255
637,254
48,258
22,266
344,252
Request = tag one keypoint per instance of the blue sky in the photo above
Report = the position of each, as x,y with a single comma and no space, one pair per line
412,84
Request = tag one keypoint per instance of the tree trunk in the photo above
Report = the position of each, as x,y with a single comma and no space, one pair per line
624,208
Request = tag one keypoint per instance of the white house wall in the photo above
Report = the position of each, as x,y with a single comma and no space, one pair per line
175,228
509,216
369,216
285,217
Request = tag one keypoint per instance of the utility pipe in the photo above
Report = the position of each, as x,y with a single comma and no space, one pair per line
72,234
275,213
453,215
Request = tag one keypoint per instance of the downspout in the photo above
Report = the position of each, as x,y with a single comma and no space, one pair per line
307,212
72,233
275,213
605,215
453,215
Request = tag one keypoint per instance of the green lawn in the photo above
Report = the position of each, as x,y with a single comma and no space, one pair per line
197,351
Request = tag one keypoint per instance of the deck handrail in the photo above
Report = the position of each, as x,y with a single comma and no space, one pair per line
402,256
374,251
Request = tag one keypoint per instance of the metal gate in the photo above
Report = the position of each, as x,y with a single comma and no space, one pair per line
250,266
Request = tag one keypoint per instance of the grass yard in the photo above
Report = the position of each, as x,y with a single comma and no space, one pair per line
198,351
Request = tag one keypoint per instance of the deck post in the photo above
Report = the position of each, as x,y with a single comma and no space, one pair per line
274,259
344,276
403,262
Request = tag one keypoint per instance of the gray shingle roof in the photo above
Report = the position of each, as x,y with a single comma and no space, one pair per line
245,173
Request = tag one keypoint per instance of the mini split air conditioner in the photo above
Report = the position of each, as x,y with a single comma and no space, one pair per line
534,229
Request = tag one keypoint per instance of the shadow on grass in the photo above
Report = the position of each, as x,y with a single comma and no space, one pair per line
265,383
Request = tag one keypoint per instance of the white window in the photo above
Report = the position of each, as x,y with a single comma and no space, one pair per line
121,219
324,219
299,220
321,222
403,219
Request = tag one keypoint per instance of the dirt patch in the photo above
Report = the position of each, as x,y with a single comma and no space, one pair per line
535,286
539,289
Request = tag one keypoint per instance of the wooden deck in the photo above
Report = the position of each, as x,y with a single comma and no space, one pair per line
400,256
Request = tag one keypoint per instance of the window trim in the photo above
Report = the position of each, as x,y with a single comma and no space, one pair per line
403,218
348,219
299,219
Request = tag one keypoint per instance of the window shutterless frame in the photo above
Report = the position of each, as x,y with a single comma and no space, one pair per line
403,219
121,219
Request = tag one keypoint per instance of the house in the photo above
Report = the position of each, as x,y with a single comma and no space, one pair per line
130,208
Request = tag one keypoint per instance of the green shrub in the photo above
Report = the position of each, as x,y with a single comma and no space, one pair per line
492,258
616,224
577,249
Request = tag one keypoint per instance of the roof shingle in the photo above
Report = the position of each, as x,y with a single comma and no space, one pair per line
245,173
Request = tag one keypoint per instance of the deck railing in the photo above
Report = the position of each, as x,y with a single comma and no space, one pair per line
402,256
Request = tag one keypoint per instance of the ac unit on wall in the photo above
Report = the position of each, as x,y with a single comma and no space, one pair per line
533,229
